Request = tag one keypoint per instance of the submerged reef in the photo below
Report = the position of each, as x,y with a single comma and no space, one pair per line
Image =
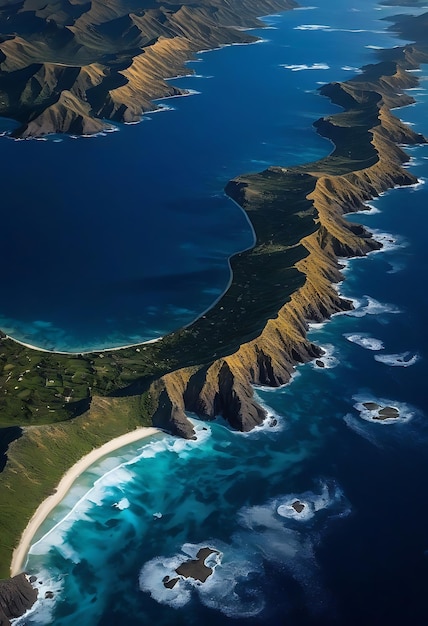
255,334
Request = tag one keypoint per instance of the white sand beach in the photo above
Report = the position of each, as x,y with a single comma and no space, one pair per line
20,552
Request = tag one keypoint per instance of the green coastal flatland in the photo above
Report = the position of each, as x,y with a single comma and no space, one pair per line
69,404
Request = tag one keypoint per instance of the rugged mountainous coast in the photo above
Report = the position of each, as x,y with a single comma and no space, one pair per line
255,334
70,67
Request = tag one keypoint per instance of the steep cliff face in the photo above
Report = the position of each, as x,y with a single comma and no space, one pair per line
16,597
68,67
365,162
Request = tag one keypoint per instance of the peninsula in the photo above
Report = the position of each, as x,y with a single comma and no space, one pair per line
79,67
68,404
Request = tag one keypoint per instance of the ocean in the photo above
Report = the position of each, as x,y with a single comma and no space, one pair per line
358,554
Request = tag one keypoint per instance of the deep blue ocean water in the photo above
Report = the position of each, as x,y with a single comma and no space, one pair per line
359,555
115,240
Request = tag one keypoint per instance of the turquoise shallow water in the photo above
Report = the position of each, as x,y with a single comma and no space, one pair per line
359,553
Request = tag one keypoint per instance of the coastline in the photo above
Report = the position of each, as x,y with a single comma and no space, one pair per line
66,482
158,50
141,344
305,294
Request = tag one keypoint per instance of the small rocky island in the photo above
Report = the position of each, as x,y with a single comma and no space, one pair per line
195,569
257,332
382,413
298,506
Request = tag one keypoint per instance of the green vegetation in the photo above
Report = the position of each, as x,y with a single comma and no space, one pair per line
69,404
44,453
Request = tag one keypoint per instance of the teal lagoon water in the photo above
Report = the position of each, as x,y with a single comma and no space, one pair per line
359,552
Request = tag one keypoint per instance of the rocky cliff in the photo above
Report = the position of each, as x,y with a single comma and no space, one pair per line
69,67
16,597
366,161
256,333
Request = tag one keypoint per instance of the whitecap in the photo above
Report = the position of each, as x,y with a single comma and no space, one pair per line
370,306
388,241
418,185
403,359
365,341
181,447
350,68
299,68
368,209
312,27
122,504
327,360
316,325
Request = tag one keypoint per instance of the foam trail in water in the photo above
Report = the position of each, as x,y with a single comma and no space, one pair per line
288,537
365,341
404,359
370,306
301,67
267,532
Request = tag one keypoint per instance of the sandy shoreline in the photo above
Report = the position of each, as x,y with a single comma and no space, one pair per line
20,552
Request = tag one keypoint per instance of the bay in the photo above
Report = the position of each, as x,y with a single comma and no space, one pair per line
358,555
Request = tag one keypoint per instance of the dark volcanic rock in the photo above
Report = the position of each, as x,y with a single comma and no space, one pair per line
16,597
298,506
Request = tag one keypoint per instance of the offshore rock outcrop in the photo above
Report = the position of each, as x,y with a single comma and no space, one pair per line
366,161
16,597
256,333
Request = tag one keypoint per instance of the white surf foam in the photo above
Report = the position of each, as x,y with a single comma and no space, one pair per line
311,27
220,590
403,359
41,612
328,359
299,68
406,412
350,68
370,306
331,29
122,504
365,341
181,447
369,210
272,514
